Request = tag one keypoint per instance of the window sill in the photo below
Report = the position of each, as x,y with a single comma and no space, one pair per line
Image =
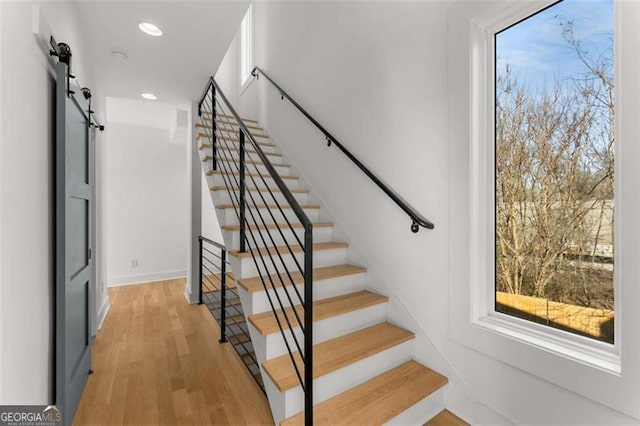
576,348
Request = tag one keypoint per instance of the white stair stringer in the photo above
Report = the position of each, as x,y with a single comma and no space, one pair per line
290,402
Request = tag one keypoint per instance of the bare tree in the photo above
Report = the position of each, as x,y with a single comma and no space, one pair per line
554,180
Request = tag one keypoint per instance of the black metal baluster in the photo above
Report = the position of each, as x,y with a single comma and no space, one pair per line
223,298
242,194
200,267
308,325
213,127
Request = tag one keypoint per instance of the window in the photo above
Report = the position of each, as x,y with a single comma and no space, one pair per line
590,367
554,168
246,47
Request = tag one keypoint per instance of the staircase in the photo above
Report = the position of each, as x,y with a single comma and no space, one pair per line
363,371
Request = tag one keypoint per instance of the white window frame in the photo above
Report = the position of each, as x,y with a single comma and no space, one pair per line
246,54
591,368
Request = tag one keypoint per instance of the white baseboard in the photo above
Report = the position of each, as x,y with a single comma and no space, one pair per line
146,278
104,310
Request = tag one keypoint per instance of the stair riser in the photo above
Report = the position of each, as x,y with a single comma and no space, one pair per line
259,197
230,217
217,179
422,411
324,330
259,167
273,238
291,402
257,301
245,267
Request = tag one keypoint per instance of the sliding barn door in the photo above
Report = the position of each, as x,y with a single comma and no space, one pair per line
74,266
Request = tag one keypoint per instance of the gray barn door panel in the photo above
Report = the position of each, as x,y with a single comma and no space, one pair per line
74,266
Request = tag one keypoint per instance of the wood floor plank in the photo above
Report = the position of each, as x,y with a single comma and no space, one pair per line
157,360
336,353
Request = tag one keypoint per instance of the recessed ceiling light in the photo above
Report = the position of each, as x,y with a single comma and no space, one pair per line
149,96
119,55
149,28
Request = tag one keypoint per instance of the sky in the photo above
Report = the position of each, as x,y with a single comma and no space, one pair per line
537,52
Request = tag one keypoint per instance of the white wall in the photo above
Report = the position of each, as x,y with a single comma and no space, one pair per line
210,225
26,214
376,75
146,202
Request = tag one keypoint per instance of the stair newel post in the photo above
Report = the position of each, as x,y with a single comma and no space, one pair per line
213,128
200,275
223,296
242,193
308,324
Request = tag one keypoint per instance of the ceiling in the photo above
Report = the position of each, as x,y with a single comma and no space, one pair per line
175,67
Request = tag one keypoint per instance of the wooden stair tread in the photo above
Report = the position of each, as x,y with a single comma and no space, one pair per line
284,250
282,226
270,206
206,124
228,138
319,274
201,135
228,126
266,175
231,117
266,322
378,400
248,161
260,189
232,121
337,353
206,145
446,418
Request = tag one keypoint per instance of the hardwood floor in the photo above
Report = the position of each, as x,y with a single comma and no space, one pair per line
157,360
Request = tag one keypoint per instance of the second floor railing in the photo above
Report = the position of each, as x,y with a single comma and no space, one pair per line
274,231
218,291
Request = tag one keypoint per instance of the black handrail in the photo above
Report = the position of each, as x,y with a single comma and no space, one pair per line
220,246
417,219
